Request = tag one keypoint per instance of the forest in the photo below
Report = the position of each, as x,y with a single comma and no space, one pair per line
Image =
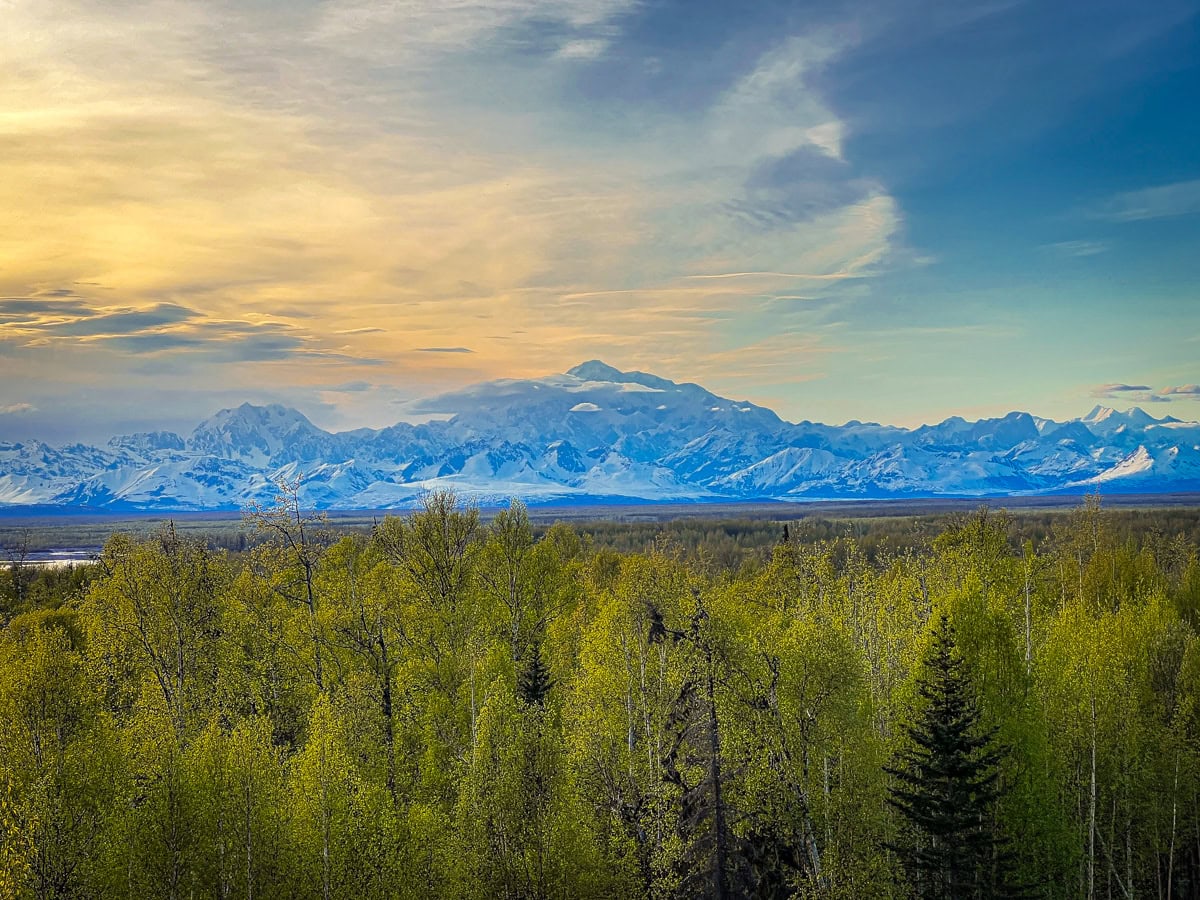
439,706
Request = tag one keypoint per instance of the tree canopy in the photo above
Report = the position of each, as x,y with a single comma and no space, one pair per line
447,707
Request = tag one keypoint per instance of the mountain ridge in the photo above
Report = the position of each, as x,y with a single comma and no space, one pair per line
595,433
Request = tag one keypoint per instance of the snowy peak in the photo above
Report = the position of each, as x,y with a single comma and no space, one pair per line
147,443
597,434
595,370
260,434
1178,465
1109,419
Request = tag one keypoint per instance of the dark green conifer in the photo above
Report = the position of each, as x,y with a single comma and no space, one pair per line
713,863
533,681
948,787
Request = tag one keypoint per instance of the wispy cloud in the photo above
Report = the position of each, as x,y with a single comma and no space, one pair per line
1183,391
351,387
586,49
1181,198
282,195
773,110
1079,248
14,409
1107,390
21,310
187,335
395,28
1141,393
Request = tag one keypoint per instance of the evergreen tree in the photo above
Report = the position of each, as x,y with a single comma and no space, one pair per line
534,681
948,787
713,863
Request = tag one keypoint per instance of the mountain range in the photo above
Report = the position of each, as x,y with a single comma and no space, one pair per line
598,435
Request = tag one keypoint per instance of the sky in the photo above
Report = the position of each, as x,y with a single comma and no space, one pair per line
880,210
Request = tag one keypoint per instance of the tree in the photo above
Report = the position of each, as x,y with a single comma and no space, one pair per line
713,860
236,780
57,766
366,623
434,557
20,574
154,622
292,559
948,786
325,790
533,680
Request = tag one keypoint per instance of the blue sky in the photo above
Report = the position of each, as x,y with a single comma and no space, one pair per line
888,211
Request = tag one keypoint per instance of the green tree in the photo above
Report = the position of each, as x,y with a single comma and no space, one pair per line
434,556
713,862
290,562
533,680
326,797
948,786
58,766
14,590
154,623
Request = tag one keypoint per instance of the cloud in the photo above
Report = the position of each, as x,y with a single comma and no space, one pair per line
1079,248
351,387
398,29
773,110
34,321
124,322
29,308
582,49
1141,393
178,334
1104,390
15,409
1181,198
288,193
798,186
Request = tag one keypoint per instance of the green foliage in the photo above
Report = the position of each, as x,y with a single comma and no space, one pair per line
447,706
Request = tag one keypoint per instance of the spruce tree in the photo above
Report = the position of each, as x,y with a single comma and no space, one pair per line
533,681
713,863
948,787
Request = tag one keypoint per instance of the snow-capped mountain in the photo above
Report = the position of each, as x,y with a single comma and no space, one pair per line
596,434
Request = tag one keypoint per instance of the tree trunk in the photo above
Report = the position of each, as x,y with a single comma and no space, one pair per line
389,725
1091,866
1174,819
311,599
1028,623
249,836
720,833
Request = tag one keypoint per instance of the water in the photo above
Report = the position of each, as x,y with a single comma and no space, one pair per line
57,559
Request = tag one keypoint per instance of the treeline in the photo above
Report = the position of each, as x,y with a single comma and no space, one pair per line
722,543
443,708
729,543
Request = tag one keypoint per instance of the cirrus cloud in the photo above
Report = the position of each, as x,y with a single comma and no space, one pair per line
1180,198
